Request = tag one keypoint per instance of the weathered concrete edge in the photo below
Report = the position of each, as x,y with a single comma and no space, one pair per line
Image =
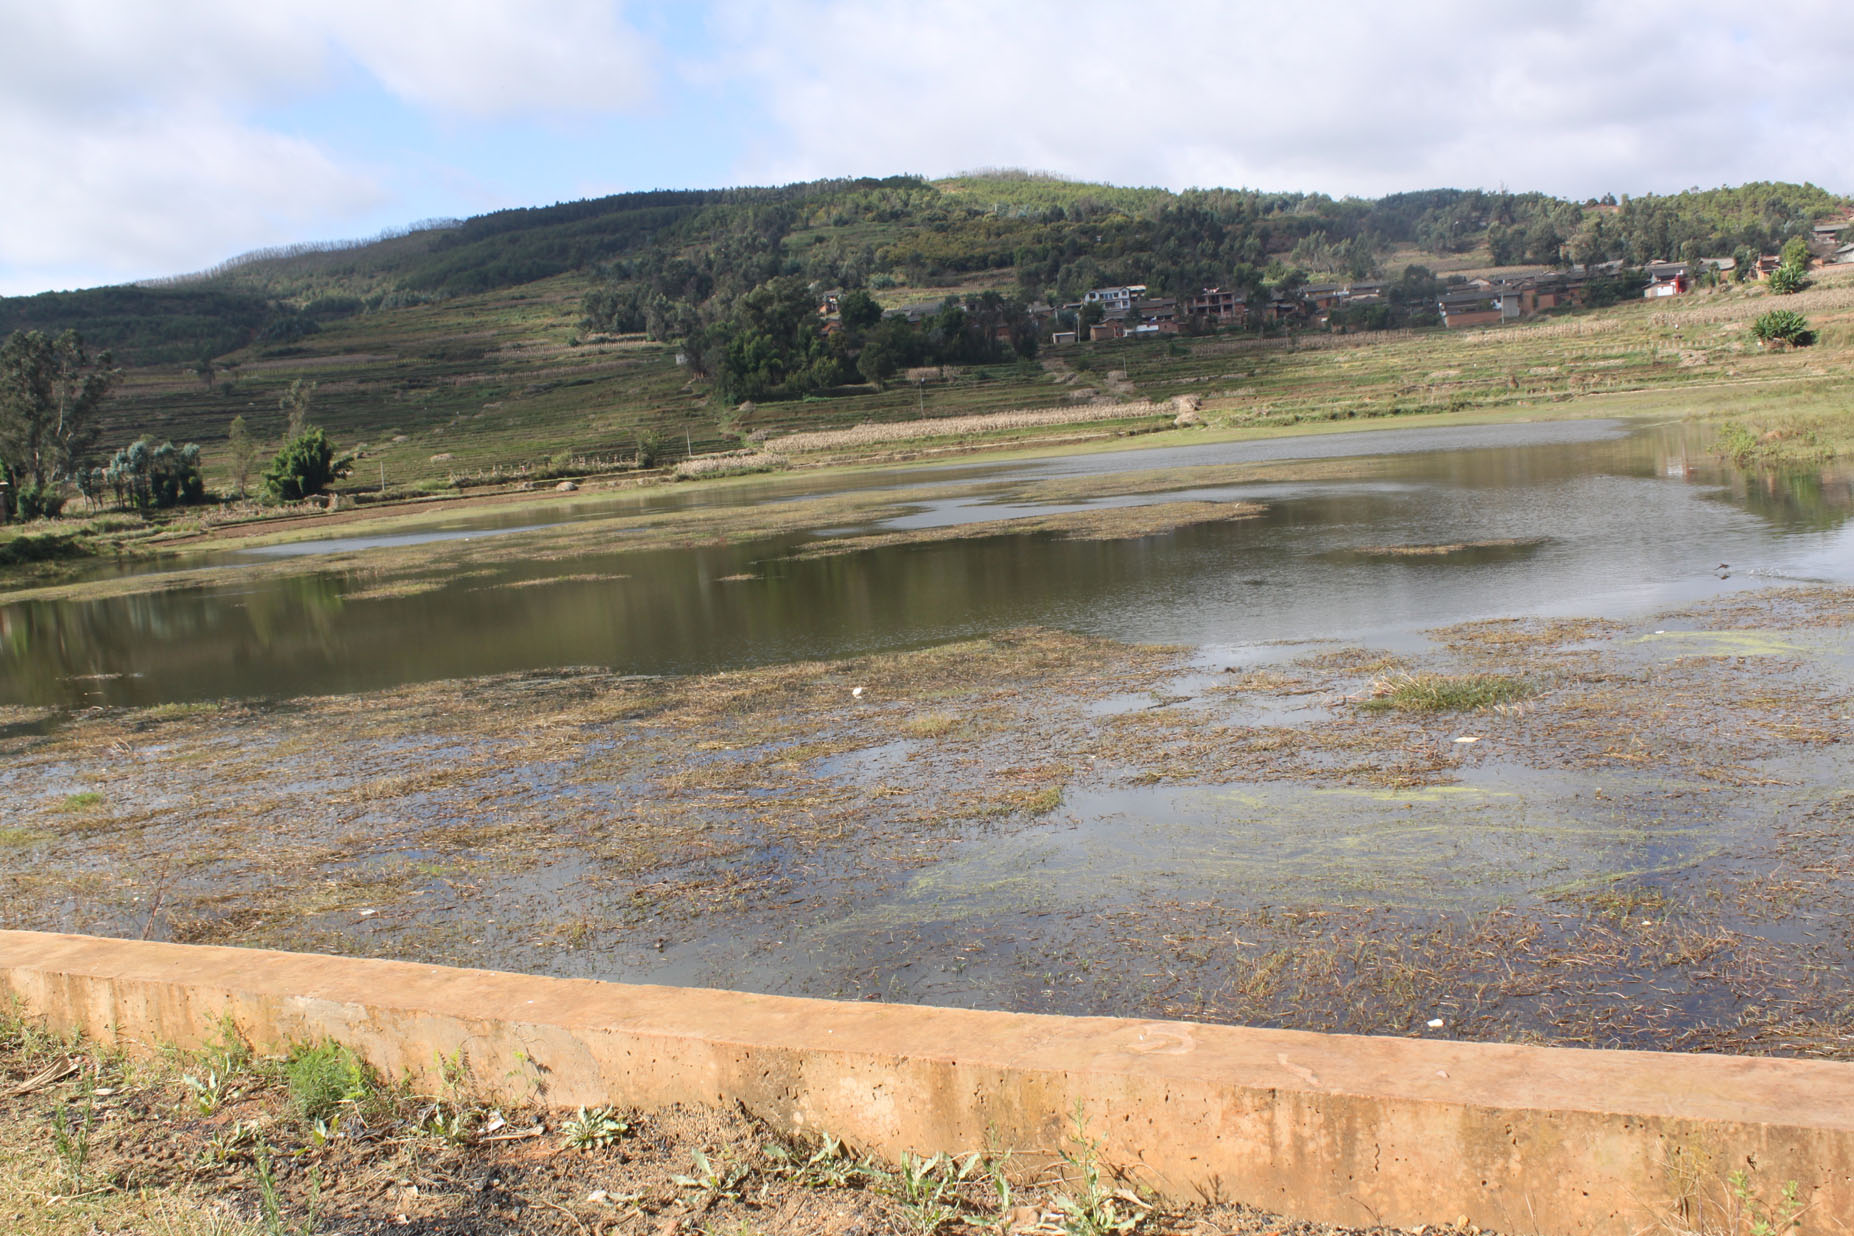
1335,1127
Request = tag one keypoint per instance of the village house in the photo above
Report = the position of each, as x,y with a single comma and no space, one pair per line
1217,305
1157,316
1115,300
1543,292
1667,279
1322,296
917,312
1471,306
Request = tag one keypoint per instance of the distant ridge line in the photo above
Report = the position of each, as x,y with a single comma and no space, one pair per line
298,249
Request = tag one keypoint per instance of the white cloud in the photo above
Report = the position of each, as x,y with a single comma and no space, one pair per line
563,57
151,193
138,138
1345,98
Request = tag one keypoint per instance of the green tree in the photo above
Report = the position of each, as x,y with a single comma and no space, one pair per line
876,363
50,389
145,475
243,450
305,466
858,311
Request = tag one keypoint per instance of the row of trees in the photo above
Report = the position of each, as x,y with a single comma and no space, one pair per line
51,391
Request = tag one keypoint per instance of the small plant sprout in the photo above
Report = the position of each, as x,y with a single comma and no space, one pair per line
830,1166
232,1144
210,1089
1763,1218
270,1198
71,1141
1090,1207
715,1182
928,1188
593,1128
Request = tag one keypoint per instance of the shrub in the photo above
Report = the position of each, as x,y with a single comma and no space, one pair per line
1783,326
1787,278
304,467
36,502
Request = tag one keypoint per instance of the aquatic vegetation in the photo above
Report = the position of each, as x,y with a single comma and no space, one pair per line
1446,692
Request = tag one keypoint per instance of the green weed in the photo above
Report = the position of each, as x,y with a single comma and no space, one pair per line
270,1199
222,1063
724,1180
593,1128
1090,1206
324,1079
1761,1218
71,1141
927,1188
1446,692
829,1166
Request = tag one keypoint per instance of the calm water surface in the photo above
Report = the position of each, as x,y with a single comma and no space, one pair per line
1618,520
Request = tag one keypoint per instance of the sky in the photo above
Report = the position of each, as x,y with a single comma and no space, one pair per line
147,139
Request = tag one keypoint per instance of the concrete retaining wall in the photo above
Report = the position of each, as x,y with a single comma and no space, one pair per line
1343,1128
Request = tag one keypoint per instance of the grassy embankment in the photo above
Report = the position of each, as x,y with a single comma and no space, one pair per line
501,388
485,386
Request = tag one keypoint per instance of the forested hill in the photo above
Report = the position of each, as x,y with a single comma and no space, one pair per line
676,263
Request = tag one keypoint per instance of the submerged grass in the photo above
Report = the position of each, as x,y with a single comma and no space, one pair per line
1425,692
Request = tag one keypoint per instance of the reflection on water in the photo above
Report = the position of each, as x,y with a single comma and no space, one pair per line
348,544
1614,522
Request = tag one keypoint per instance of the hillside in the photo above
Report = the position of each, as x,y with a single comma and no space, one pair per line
597,329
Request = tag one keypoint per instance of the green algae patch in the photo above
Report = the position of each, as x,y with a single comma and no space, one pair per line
1727,643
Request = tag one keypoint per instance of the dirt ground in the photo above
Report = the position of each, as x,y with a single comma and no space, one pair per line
220,1143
